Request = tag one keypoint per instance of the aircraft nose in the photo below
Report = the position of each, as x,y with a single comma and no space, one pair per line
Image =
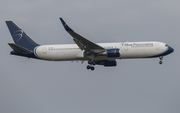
170,49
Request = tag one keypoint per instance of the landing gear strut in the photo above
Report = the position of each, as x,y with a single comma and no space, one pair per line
161,58
90,66
91,62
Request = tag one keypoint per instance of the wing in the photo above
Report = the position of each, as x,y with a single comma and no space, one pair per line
82,42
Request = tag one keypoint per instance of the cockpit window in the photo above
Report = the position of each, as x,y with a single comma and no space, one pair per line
166,45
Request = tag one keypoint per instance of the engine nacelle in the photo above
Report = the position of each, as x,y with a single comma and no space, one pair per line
110,53
107,63
113,53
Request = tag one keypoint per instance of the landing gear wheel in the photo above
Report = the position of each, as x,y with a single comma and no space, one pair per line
91,65
88,67
92,68
161,58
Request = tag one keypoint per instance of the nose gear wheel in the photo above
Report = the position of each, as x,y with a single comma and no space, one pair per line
161,58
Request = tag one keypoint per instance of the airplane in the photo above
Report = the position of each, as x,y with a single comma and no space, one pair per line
105,54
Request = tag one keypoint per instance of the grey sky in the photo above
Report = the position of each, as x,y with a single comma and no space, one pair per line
134,86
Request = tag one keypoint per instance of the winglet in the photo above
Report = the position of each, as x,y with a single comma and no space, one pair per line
83,43
65,25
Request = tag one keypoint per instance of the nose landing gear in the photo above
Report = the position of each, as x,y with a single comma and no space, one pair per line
160,62
161,58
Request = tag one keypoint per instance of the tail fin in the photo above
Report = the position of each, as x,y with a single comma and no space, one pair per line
19,36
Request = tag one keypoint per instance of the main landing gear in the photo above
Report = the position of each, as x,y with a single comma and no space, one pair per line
161,58
90,66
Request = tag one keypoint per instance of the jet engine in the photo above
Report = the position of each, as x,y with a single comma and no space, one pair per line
110,53
107,63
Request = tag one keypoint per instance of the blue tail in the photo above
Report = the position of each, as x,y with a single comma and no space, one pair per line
20,37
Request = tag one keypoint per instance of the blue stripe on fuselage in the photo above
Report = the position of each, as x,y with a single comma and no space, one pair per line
168,51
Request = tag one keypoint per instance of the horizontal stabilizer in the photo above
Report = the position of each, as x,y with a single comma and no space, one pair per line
19,49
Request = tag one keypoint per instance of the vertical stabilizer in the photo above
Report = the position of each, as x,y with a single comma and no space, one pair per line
19,36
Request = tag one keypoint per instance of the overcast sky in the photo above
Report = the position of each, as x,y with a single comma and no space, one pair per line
134,86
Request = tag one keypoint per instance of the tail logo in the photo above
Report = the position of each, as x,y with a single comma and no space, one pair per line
18,35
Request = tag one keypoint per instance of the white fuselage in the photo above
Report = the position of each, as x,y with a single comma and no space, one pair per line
70,52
